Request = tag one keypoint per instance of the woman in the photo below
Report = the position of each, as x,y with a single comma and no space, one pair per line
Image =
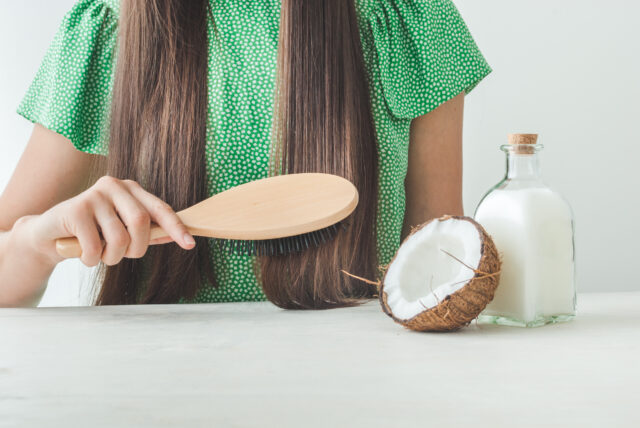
169,102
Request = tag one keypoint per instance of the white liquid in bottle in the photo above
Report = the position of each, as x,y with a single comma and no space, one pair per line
532,227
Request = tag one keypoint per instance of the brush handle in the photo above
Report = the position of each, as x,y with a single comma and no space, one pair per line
70,248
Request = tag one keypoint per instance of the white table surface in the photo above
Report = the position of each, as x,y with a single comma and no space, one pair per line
253,364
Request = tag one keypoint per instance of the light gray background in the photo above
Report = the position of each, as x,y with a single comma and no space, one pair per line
567,70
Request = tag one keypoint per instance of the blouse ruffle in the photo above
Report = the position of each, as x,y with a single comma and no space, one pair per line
425,53
71,92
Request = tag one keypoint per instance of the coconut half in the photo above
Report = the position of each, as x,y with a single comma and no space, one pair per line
442,276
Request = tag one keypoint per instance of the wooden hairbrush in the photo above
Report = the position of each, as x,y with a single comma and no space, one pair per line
271,216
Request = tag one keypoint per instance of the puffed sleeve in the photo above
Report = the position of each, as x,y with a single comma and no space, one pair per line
71,91
425,54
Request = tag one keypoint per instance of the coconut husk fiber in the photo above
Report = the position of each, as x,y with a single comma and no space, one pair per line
461,307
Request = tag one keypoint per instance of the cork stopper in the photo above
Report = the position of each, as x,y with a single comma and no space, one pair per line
521,141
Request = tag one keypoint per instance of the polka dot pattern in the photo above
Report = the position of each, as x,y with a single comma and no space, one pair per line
71,92
418,54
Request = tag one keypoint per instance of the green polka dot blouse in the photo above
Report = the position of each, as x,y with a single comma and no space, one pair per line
418,54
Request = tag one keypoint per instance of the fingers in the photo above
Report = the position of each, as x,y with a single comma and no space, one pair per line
162,214
136,219
115,235
84,229
122,211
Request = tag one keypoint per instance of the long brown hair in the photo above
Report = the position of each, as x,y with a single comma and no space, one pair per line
323,123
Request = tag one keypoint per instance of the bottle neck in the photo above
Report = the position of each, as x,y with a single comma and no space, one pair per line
523,166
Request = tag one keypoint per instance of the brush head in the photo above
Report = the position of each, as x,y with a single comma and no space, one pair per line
275,216
281,246
273,208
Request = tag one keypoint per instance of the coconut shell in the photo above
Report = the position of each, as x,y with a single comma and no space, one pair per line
461,307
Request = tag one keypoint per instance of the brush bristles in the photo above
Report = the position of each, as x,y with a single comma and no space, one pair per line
280,246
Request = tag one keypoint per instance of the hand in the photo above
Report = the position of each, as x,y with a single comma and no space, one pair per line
118,212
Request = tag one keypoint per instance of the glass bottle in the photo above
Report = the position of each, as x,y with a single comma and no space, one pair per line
533,229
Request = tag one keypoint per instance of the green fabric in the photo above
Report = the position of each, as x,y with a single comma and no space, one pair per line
418,54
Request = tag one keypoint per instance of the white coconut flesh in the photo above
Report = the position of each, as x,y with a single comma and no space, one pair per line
422,274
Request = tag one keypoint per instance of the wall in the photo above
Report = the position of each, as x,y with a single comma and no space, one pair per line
569,71
566,70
